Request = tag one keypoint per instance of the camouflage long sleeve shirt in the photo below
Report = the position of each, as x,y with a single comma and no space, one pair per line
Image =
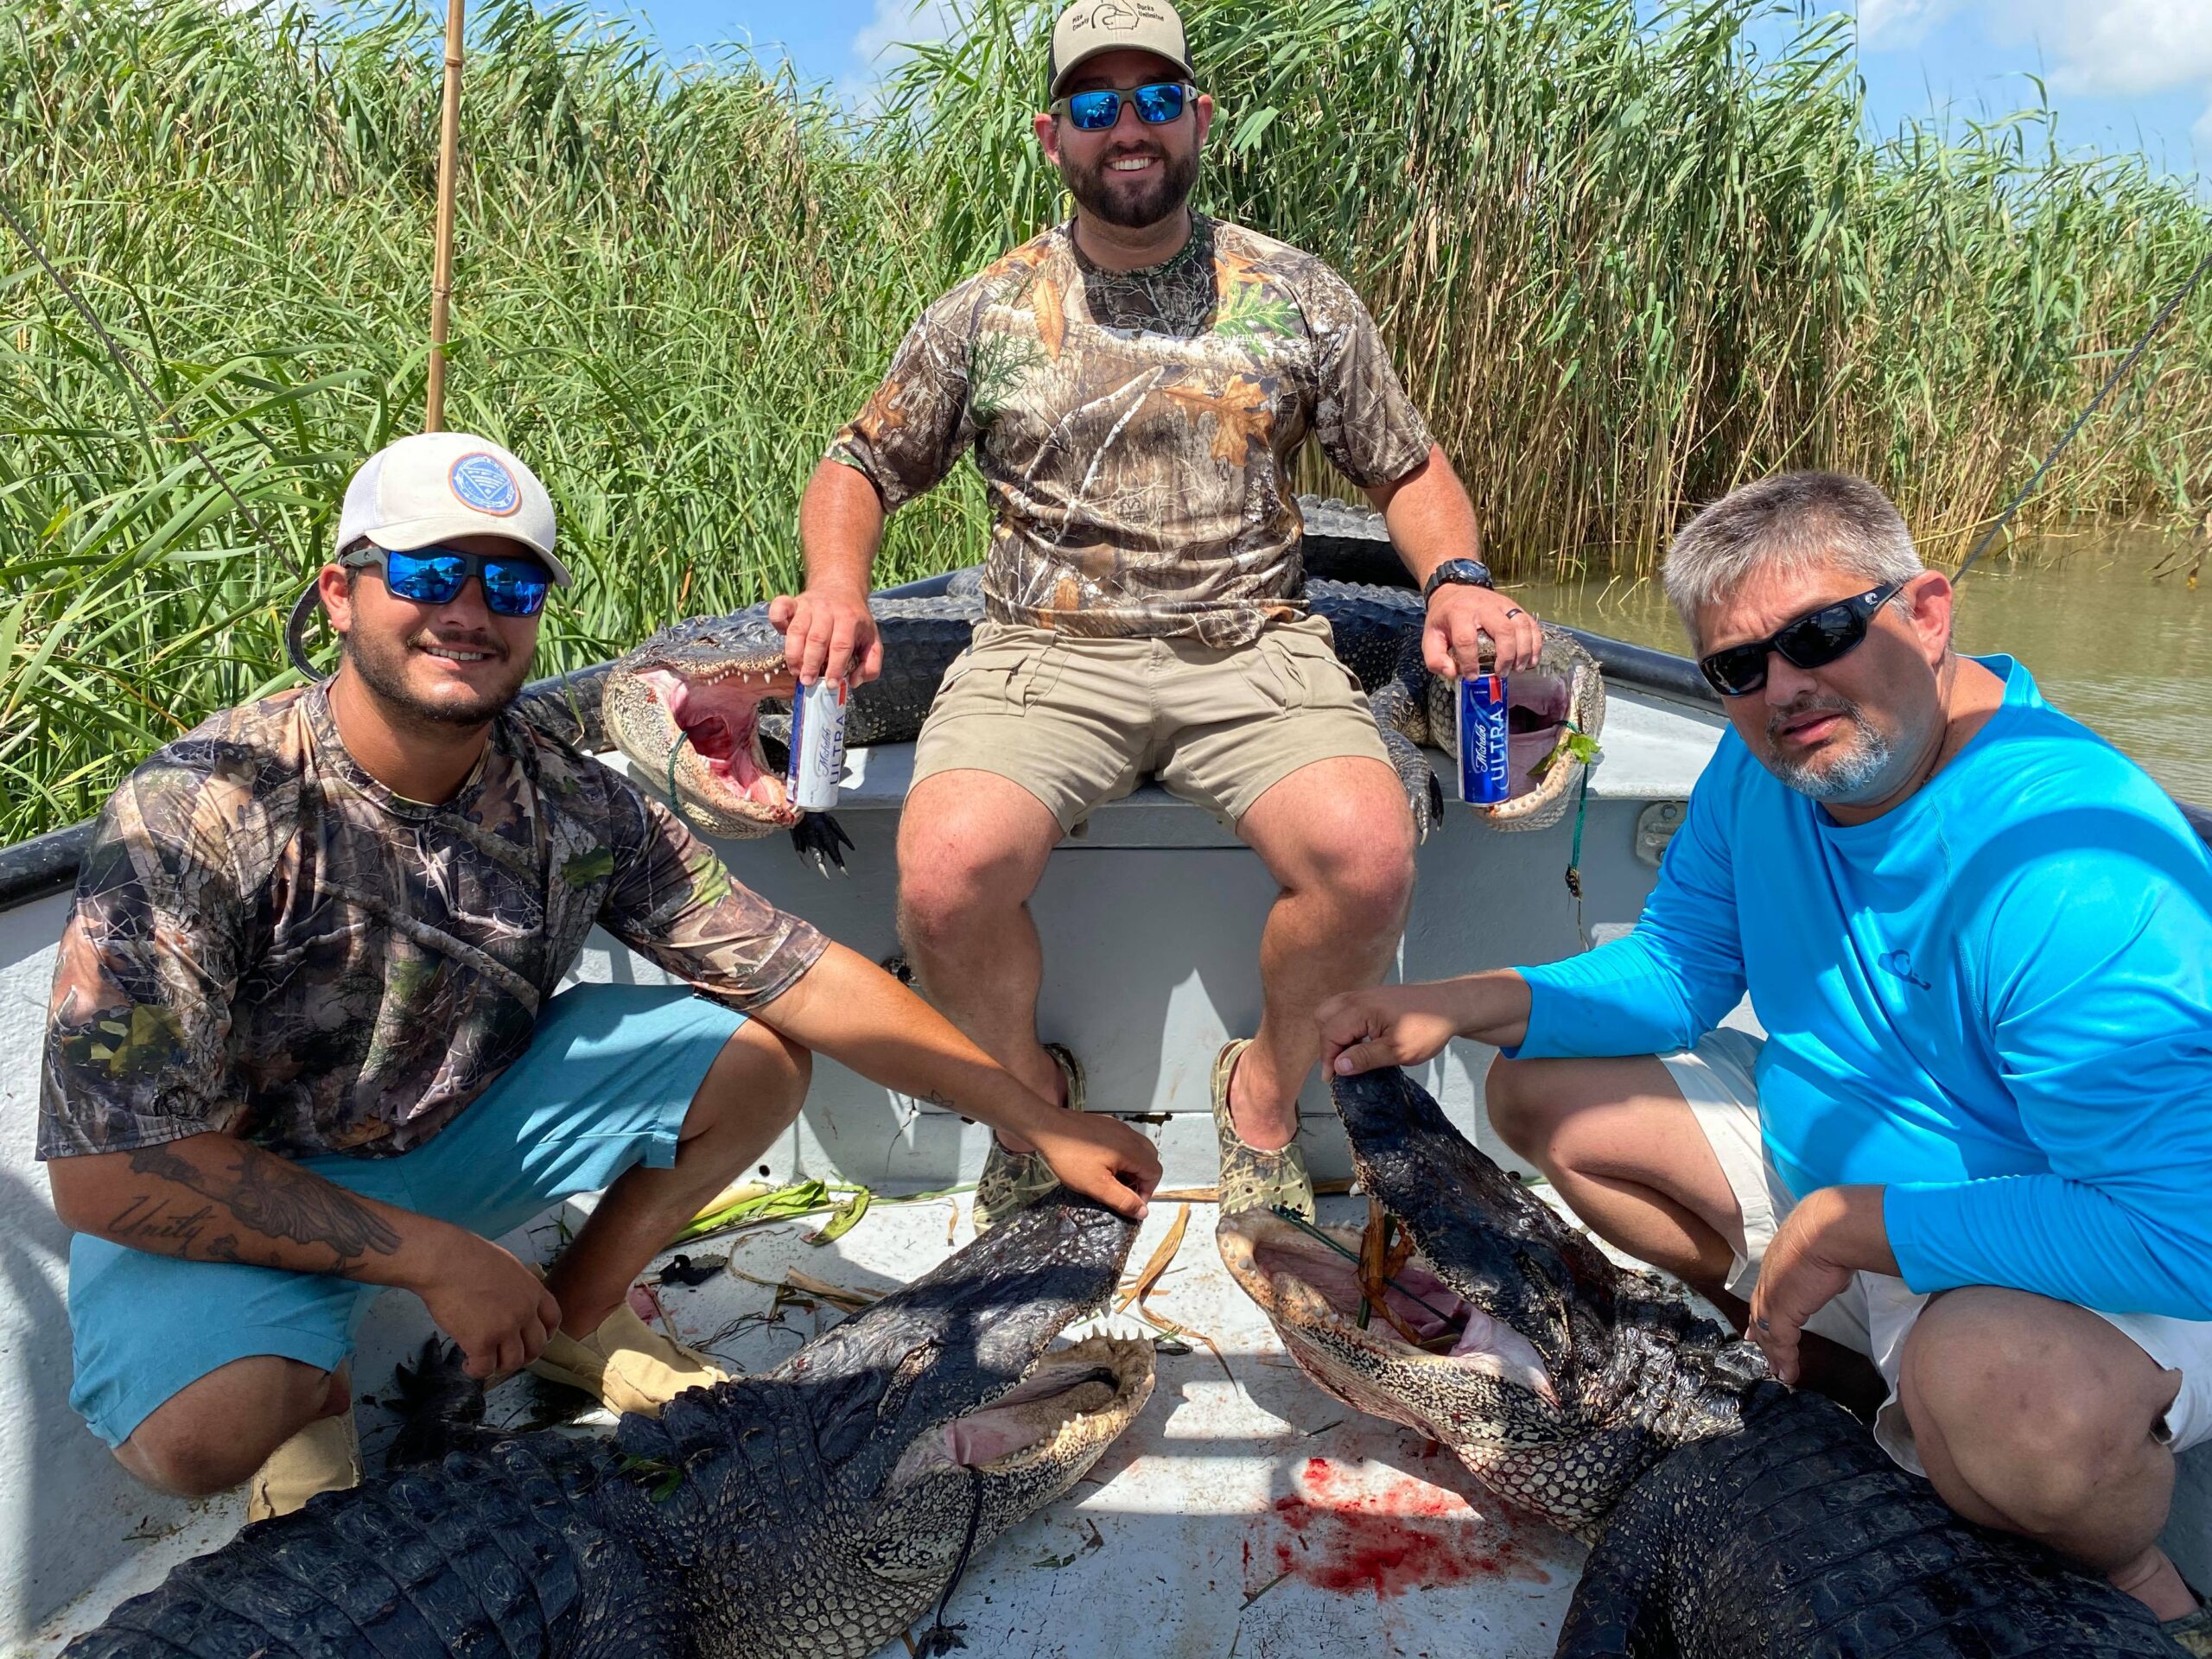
1136,430
267,941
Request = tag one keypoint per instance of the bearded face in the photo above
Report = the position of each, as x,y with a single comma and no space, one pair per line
1133,174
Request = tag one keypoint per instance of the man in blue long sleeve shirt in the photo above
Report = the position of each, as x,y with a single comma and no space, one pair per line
1974,1144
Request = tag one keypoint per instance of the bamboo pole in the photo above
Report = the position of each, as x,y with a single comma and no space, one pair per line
433,412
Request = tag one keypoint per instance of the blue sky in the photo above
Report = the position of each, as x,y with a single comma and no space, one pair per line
2124,75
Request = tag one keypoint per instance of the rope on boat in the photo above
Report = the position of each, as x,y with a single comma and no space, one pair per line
2158,323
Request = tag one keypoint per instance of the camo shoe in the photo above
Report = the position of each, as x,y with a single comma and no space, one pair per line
2192,1632
1012,1181
1250,1178
626,1364
324,1457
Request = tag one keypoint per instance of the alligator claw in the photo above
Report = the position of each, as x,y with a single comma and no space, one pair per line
822,841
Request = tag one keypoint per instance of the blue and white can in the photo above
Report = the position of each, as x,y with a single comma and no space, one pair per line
1486,779
817,762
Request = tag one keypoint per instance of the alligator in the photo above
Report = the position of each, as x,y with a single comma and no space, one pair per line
701,709
815,1509
1729,1517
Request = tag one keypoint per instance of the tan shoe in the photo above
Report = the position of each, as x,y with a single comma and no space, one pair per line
324,1457
627,1364
1250,1178
1012,1181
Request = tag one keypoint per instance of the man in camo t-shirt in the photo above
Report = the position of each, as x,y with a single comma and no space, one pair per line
308,1038
1134,385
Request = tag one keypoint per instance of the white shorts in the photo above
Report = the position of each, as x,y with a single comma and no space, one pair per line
1876,1309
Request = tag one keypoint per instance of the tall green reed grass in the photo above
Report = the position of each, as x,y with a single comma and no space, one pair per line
1623,265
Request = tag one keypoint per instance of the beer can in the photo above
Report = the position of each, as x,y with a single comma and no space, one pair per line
1485,777
817,762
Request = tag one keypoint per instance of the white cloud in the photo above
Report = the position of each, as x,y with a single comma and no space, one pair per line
2123,46
898,25
2105,48
1898,25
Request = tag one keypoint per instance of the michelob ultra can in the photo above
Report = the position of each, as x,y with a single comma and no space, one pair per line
1484,777
817,762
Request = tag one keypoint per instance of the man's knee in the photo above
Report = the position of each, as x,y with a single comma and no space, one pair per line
213,1435
1359,853
968,842
760,1073
1518,1107
2037,1411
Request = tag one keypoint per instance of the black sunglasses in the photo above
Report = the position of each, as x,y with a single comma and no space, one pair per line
514,584
1813,640
1094,111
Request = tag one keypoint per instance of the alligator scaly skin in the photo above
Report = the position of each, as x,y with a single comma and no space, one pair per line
807,1511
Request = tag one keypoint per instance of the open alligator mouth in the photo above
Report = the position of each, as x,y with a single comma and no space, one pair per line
719,760
1411,1354
1070,1406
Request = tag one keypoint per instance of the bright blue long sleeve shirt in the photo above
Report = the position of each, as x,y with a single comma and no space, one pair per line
1995,1001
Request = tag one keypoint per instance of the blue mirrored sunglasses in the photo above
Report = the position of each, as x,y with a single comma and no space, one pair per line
1094,111
514,584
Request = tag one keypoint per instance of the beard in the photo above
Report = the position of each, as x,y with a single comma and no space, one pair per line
1856,770
1132,210
382,665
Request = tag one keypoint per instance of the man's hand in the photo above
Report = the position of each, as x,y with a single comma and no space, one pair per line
1458,614
1390,1025
497,1309
828,634
1834,1233
1101,1158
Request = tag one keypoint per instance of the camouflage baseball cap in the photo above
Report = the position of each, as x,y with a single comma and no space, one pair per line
1090,27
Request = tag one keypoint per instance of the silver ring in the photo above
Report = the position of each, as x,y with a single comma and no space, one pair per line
1515,611
1763,1325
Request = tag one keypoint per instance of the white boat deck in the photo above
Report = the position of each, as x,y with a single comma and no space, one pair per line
1246,1512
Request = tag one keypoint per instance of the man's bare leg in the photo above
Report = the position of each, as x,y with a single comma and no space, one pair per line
214,1433
1622,1147
749,1096
1338,839
972,847
2038,1417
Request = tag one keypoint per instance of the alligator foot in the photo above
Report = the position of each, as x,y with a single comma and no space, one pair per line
822,841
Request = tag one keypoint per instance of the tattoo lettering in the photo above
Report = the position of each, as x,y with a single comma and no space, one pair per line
148,1221
265,1193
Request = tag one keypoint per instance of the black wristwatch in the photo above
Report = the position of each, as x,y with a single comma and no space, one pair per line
1472,572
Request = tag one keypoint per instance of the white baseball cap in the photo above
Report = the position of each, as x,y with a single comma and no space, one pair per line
438,484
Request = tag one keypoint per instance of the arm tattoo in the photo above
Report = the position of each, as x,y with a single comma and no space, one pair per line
265,1194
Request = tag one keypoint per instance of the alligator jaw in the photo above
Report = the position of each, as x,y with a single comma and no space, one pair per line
1561,1376
685,708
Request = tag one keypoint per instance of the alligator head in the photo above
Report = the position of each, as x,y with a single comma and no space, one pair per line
686,706
1556,1377
1562,697
822,1506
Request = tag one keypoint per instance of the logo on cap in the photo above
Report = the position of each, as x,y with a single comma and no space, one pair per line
1119,15
480,481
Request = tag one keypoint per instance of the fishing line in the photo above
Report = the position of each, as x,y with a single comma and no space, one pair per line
2165,316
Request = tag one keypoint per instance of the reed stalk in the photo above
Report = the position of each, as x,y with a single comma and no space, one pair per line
1623,261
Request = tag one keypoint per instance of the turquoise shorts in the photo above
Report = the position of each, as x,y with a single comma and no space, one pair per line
605,1084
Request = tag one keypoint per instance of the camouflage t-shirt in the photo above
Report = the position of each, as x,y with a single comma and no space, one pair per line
1136,430
269,943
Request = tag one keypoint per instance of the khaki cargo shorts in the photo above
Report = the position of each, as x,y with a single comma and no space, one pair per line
1079,721
1876,1311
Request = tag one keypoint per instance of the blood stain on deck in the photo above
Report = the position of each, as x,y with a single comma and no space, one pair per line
1364,1526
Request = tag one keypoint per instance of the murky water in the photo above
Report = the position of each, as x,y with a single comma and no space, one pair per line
2109,641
